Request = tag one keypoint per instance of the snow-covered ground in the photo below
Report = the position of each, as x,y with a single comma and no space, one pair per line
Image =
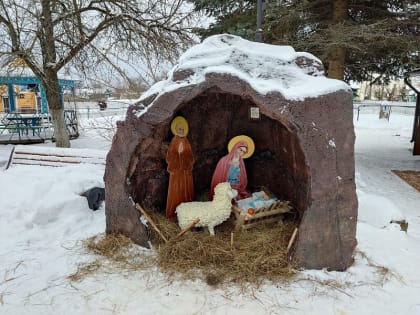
43,220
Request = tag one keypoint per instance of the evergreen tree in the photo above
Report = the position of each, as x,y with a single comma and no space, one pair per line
353,38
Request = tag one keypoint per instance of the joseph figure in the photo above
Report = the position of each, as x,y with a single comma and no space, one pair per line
180,161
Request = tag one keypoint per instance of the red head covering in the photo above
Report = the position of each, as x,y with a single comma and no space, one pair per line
222,171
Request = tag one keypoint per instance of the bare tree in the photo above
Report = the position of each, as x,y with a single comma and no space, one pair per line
88,35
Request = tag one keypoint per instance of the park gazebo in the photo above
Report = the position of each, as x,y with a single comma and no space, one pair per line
11,103
301,123
24,114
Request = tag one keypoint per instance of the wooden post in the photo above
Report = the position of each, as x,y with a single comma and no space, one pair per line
149,219
292,239
189,227
239,221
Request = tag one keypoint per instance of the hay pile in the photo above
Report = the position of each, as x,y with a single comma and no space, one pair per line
120,252
410,177
245,257
254,255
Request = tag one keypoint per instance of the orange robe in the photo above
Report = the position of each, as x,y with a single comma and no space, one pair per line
180,161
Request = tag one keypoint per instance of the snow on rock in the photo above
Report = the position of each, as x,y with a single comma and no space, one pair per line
267,68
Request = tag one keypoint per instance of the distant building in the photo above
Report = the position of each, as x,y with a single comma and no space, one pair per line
396,90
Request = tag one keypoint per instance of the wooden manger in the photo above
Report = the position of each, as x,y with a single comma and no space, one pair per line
272,213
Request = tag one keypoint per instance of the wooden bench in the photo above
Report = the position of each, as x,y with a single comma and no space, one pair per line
56,157
272,213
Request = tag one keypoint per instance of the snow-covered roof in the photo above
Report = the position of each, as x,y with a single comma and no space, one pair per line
267,68
24,71
19,71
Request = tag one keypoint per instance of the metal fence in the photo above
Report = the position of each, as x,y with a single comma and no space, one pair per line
384,108
91,110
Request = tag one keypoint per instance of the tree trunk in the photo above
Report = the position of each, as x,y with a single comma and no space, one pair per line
60,131
50,78
337,56
56,110
336,62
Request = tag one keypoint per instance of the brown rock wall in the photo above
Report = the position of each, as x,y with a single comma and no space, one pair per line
304,153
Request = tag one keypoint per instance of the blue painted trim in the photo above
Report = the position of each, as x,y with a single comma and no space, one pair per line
9,81
12,104
44,103
33,80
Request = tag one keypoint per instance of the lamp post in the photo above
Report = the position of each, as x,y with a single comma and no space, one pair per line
258,32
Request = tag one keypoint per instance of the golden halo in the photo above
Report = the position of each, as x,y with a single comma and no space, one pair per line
248,140
179,120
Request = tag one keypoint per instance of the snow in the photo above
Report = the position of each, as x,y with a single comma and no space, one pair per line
44,219
267,68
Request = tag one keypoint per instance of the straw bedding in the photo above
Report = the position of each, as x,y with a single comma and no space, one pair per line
249,256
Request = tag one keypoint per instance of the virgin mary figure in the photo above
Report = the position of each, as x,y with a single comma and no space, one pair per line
231,167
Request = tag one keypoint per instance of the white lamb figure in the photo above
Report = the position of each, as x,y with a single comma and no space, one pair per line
210,213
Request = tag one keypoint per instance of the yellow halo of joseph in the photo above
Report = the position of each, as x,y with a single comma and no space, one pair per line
248,140
179,120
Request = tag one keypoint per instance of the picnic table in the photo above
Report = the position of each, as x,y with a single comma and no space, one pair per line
21,124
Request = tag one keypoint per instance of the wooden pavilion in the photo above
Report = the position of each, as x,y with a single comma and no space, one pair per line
24,116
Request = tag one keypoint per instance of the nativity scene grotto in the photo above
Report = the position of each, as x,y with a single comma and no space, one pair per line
300,121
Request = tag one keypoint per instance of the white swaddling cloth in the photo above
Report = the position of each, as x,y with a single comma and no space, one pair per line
259,199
